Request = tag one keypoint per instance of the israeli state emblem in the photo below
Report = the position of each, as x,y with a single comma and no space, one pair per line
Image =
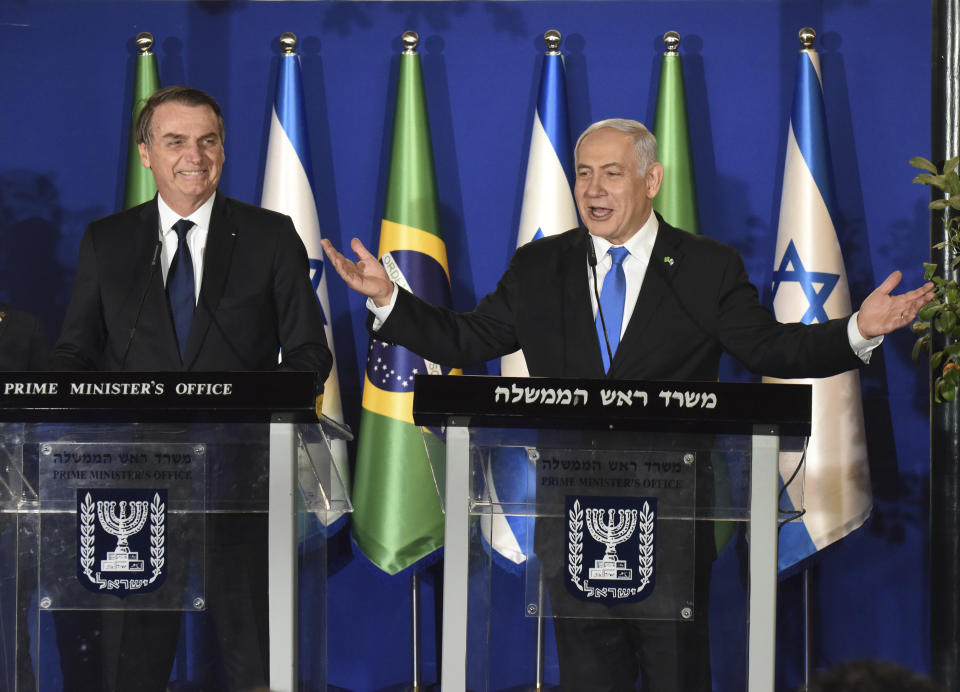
121,540
611,547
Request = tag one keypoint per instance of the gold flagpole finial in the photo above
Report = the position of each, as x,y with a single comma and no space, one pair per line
288,43
410,40
671,40
807,36
144,41
552,38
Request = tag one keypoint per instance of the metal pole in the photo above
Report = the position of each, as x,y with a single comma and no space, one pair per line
415,629
762,634
540,633
807,631
944,439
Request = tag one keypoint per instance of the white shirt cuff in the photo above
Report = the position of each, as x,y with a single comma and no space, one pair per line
861,346
380,314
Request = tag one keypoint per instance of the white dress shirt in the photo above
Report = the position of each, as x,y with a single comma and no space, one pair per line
196,238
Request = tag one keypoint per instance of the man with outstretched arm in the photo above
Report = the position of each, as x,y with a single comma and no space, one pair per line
686,300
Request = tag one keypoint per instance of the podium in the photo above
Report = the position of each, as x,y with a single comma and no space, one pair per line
156,491
615,487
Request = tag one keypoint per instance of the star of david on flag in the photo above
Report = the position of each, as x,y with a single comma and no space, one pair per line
817,286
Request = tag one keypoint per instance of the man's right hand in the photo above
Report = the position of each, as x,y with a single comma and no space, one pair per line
366,275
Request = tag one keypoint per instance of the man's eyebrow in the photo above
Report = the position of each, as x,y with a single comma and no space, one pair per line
173,135
612,164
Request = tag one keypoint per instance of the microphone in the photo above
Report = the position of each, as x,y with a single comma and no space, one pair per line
154,263
592,261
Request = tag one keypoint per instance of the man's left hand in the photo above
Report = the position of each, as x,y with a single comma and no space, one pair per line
882,312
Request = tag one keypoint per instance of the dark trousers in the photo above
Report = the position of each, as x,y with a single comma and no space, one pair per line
611,655
134,651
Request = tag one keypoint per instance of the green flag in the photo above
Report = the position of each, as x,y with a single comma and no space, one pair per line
397,519
677,200
140,187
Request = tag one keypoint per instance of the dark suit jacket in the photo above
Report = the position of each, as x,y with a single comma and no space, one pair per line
696,301
255,297
22,342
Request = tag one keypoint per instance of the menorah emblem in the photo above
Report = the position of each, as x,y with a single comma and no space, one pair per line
615,529
128,521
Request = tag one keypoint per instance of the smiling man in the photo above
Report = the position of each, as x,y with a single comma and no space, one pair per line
681,301
191,280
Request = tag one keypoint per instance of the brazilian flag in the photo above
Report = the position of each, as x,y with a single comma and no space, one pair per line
397,520
139,186
677,200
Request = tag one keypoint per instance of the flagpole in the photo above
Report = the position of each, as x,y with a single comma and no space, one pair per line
807,631
944,440
415,630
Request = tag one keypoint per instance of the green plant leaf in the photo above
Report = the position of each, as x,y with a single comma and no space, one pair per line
951,164
935,360
922,343
919,328
952,350
937,181
928,311
946,321
952,182
939,204
929,270
948,393
920,162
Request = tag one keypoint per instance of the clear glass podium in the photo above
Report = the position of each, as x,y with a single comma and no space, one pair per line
162,493
612,495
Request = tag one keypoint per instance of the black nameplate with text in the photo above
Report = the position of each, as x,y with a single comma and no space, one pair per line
518,402
226,397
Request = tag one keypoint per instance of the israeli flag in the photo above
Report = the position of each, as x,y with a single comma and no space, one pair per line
810,285
548,208
288,188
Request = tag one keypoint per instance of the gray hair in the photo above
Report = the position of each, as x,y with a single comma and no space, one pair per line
187,96
645,144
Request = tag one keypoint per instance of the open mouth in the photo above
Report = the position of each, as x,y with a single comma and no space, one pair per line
600,213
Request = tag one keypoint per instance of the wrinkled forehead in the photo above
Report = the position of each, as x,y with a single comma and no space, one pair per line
604,147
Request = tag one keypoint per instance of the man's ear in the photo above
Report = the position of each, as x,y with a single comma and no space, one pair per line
144,154
654,179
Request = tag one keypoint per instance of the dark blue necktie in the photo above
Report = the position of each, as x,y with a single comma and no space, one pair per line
180,285
612,297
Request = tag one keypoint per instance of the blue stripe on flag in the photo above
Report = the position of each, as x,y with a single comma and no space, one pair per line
289,104
794,542
810,128
552,109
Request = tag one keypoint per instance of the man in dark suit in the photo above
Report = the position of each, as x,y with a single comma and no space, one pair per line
191,280
683,300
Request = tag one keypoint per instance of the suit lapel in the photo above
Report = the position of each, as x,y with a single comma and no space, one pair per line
147,238
216,267
580,335
665,259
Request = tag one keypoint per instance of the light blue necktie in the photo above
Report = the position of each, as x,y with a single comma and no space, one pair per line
180,285
612,297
